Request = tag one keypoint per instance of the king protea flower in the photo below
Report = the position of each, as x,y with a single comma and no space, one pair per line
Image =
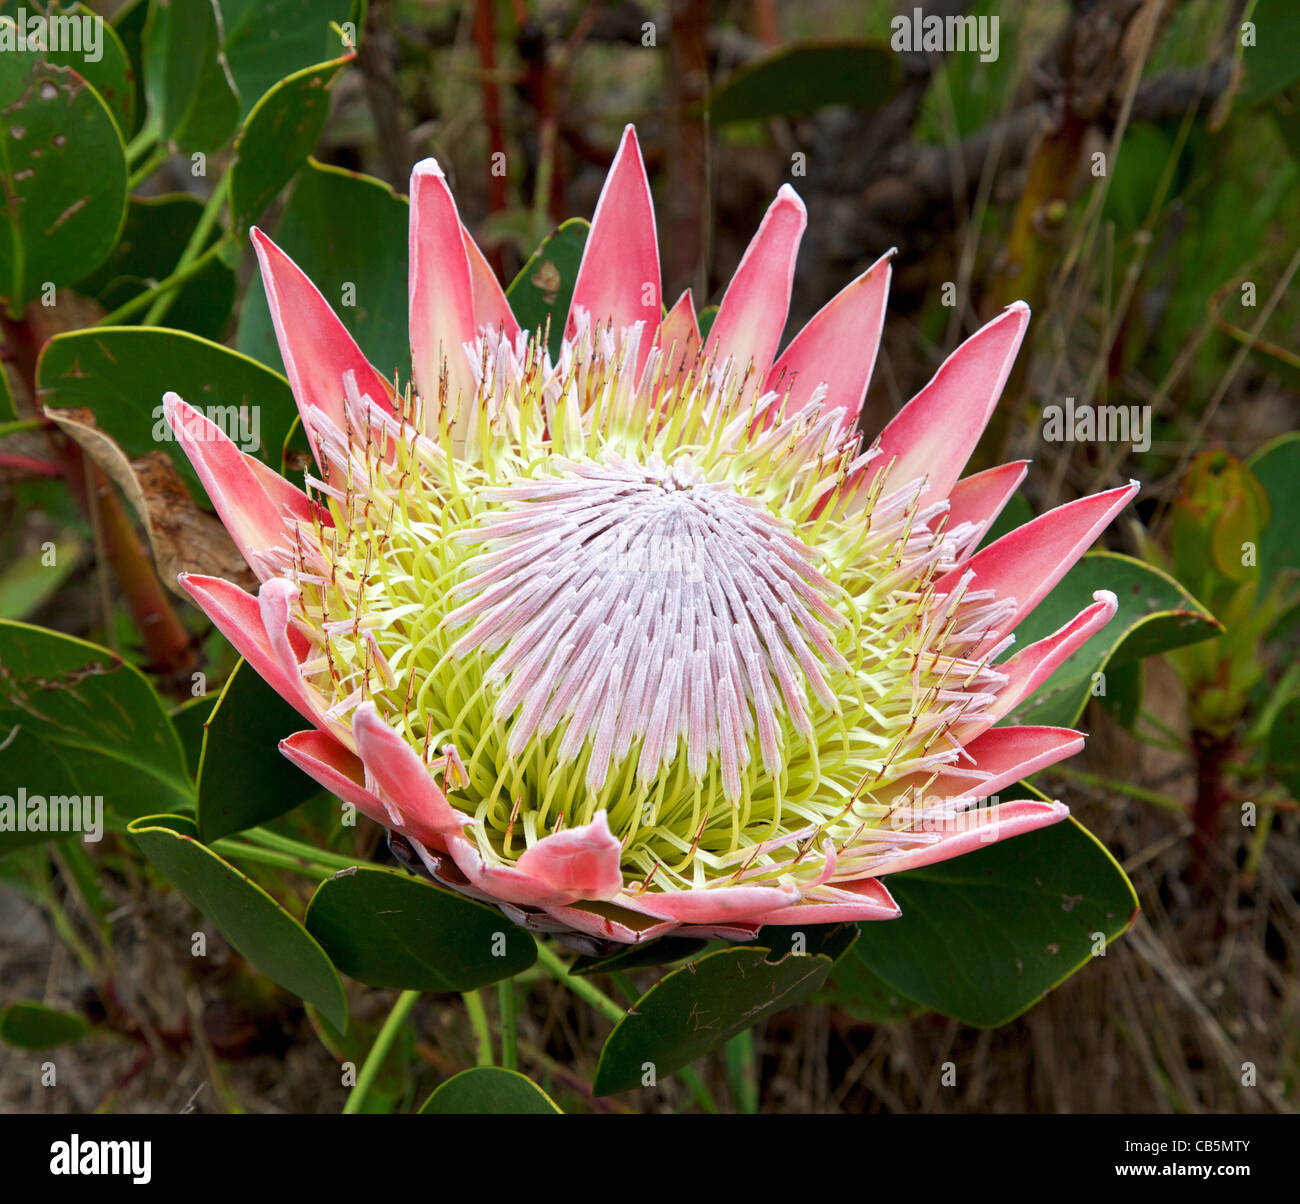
644,638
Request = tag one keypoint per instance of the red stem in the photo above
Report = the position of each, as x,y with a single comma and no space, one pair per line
30,467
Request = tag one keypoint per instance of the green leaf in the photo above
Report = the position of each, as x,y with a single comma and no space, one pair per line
244,779
829,940
650,953
190,99
802,78
120,374
63,167
203,76
256,926
700,1007
393,1085
489,1090
190,721
858,990
1142,162
129,27
110,73
1286,117
968,90
266,41
388,929
1284,747
983,937
1123,697
31,1025
100,716
277,137
1271,64
1155,615
347,232
1277,467
34,765
544,286
29,582
156,231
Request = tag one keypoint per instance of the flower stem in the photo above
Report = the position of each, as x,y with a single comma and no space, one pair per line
160,290
1140,793
142,143
193,248
625,984
21,425
695,1085
550,961
147,168
285,844
379,1051
284,861
63,925
478,1021
742,1070
509,1024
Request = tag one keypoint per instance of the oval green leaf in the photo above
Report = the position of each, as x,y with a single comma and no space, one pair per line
264,41
983,937
29,766
256,926
544,287
1284,746
1270,61
155,233
98,713
128,24
109,72
244,779
488,1091
1277,468
1155,614
189,94
661,952
190,721
278,136
700,1007
120,374
802,78
63,167
348,233
864,995
31,1025
388,929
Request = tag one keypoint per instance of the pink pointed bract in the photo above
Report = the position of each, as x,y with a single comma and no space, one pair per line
645,639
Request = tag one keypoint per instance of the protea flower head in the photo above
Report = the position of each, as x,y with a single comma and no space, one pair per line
645,637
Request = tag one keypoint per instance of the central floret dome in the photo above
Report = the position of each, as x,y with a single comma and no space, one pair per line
664,599
643,604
